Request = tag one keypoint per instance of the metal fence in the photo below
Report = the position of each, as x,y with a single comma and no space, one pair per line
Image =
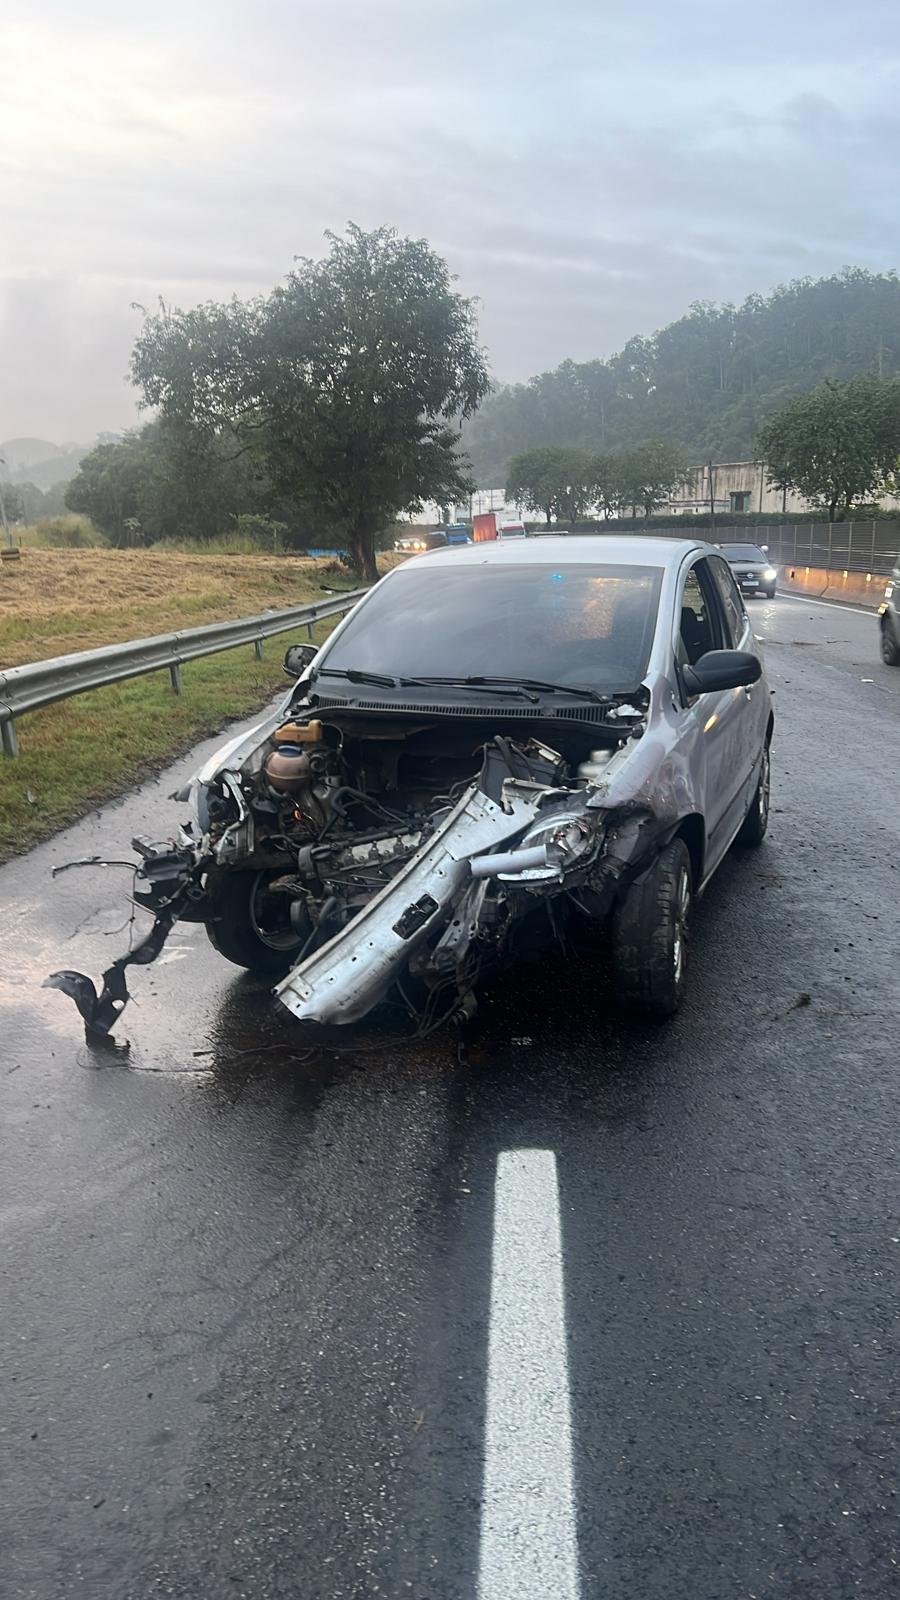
866,547
28,688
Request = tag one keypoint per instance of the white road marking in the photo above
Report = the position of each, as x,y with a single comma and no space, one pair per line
528,1534
833,605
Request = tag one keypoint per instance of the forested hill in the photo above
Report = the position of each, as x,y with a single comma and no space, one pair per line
708,381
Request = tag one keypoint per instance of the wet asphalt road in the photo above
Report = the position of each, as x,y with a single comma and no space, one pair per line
246,1294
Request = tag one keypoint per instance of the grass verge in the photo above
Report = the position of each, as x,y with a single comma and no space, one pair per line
86,750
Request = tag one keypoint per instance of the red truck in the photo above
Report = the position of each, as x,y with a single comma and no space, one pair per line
484,526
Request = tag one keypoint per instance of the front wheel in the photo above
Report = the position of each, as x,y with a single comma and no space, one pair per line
250,925
650,934
890,649
770,594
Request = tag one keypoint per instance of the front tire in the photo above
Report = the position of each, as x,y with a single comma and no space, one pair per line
770,594
756,822
890,649
249,926
650,934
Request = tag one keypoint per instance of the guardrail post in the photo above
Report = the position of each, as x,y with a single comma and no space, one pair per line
257,646
9,736
309,629
175,676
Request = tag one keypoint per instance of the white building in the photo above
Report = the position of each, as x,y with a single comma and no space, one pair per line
735,486
738,486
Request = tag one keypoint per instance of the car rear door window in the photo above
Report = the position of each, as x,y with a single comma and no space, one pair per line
732,604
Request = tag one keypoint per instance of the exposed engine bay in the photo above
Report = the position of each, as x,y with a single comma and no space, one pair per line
344,851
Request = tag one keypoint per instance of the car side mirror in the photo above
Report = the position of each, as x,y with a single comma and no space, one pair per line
297,658
721,669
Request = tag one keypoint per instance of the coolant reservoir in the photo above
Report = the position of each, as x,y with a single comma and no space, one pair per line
299,732
287,769
592,769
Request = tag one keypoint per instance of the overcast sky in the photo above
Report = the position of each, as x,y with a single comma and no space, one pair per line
588,167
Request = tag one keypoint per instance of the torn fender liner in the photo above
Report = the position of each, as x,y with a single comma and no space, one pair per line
101,1011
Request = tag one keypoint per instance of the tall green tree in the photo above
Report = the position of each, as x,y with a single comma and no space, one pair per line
348,381
115,486
838,445
711,379
646,475
13,503
165,481
38,503
608,482
553,480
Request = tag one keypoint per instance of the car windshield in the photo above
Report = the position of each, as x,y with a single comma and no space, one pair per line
587,625
743,552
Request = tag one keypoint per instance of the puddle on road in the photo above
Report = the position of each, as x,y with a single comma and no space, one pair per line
124,1058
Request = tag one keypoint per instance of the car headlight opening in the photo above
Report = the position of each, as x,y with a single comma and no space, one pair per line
566,838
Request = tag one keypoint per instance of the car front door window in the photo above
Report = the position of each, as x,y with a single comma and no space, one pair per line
698,630
723,727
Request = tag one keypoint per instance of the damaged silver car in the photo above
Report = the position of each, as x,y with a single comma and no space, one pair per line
498,744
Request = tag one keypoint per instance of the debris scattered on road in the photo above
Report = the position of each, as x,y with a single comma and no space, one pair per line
91,861
801,1001
99,1012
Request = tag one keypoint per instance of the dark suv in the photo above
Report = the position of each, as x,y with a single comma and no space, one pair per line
752,568
889,621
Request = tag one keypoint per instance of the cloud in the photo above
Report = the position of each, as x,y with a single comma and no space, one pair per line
588,170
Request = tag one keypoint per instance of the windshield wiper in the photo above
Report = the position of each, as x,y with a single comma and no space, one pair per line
382,681
535,687
486,685
527,688
357,675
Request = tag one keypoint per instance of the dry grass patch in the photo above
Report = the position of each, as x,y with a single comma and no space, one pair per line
56,601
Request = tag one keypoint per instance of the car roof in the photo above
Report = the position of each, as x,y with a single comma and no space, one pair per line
602,549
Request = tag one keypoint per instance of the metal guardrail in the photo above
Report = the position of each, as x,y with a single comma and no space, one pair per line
41,683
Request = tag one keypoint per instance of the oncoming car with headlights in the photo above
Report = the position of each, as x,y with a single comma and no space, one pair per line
752,568
498,744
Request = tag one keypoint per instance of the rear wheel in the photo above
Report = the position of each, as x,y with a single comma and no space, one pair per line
890,649
756,822
249,925
650,934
